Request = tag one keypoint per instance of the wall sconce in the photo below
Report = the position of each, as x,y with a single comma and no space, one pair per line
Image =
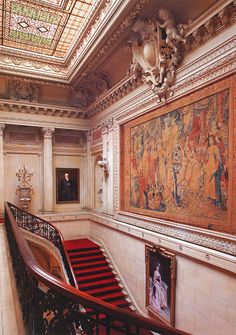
104,165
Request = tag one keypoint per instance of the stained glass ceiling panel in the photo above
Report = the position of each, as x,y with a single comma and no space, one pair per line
45,27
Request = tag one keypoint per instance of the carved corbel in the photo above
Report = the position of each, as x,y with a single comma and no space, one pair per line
211,25
224,16
199,34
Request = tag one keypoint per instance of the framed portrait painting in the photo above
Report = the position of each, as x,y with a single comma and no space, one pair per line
67,185
160,283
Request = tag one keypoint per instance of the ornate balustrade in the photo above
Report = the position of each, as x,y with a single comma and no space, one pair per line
46,230
51,306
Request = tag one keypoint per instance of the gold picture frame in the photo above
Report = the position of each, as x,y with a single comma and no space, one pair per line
160,283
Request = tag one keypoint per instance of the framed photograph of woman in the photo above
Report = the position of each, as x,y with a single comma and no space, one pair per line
160,283
67,185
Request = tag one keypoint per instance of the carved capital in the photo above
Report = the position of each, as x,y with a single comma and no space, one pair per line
107,125
47,132
2,126
88,135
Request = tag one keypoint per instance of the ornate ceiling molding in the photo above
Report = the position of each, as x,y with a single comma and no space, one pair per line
218,18
216,64
52,68
113,14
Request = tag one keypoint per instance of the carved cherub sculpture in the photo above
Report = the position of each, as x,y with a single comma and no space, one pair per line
172,34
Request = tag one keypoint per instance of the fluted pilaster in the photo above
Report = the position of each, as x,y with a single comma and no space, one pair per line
2,126
47,169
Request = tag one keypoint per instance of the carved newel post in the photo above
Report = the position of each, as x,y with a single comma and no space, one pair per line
24,189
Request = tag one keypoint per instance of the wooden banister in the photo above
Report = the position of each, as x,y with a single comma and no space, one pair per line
77,296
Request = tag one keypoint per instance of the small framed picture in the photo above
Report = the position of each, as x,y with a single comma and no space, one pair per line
160,283
67,185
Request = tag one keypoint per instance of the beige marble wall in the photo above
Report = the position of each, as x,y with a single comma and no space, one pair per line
205,299
12,162
205,296
24,146
10,311
71,161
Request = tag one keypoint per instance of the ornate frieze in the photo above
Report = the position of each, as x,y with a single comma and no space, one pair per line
40,109
197,34
113,95
21,90
216,241
89,90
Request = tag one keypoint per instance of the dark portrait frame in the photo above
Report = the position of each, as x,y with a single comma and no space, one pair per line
160,299
74,175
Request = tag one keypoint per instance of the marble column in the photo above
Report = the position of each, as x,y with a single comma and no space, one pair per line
48,189
2,126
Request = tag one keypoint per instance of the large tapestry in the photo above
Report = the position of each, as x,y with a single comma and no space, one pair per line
178,162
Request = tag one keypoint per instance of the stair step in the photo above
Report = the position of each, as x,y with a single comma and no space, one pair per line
120,303
96,292
98,283
94,275
83,243
111,297
82,254
90,271
87,259
87,279
91,265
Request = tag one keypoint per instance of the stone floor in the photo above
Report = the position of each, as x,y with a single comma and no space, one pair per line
10,312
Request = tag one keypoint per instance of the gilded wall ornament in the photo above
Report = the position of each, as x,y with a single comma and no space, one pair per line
155,59
24,189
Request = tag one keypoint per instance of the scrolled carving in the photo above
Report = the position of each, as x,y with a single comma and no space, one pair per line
21,90
156,59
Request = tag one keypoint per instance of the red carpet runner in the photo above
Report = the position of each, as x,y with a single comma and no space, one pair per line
93,273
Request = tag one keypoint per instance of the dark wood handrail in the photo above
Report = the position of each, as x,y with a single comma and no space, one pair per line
71,272
81,297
